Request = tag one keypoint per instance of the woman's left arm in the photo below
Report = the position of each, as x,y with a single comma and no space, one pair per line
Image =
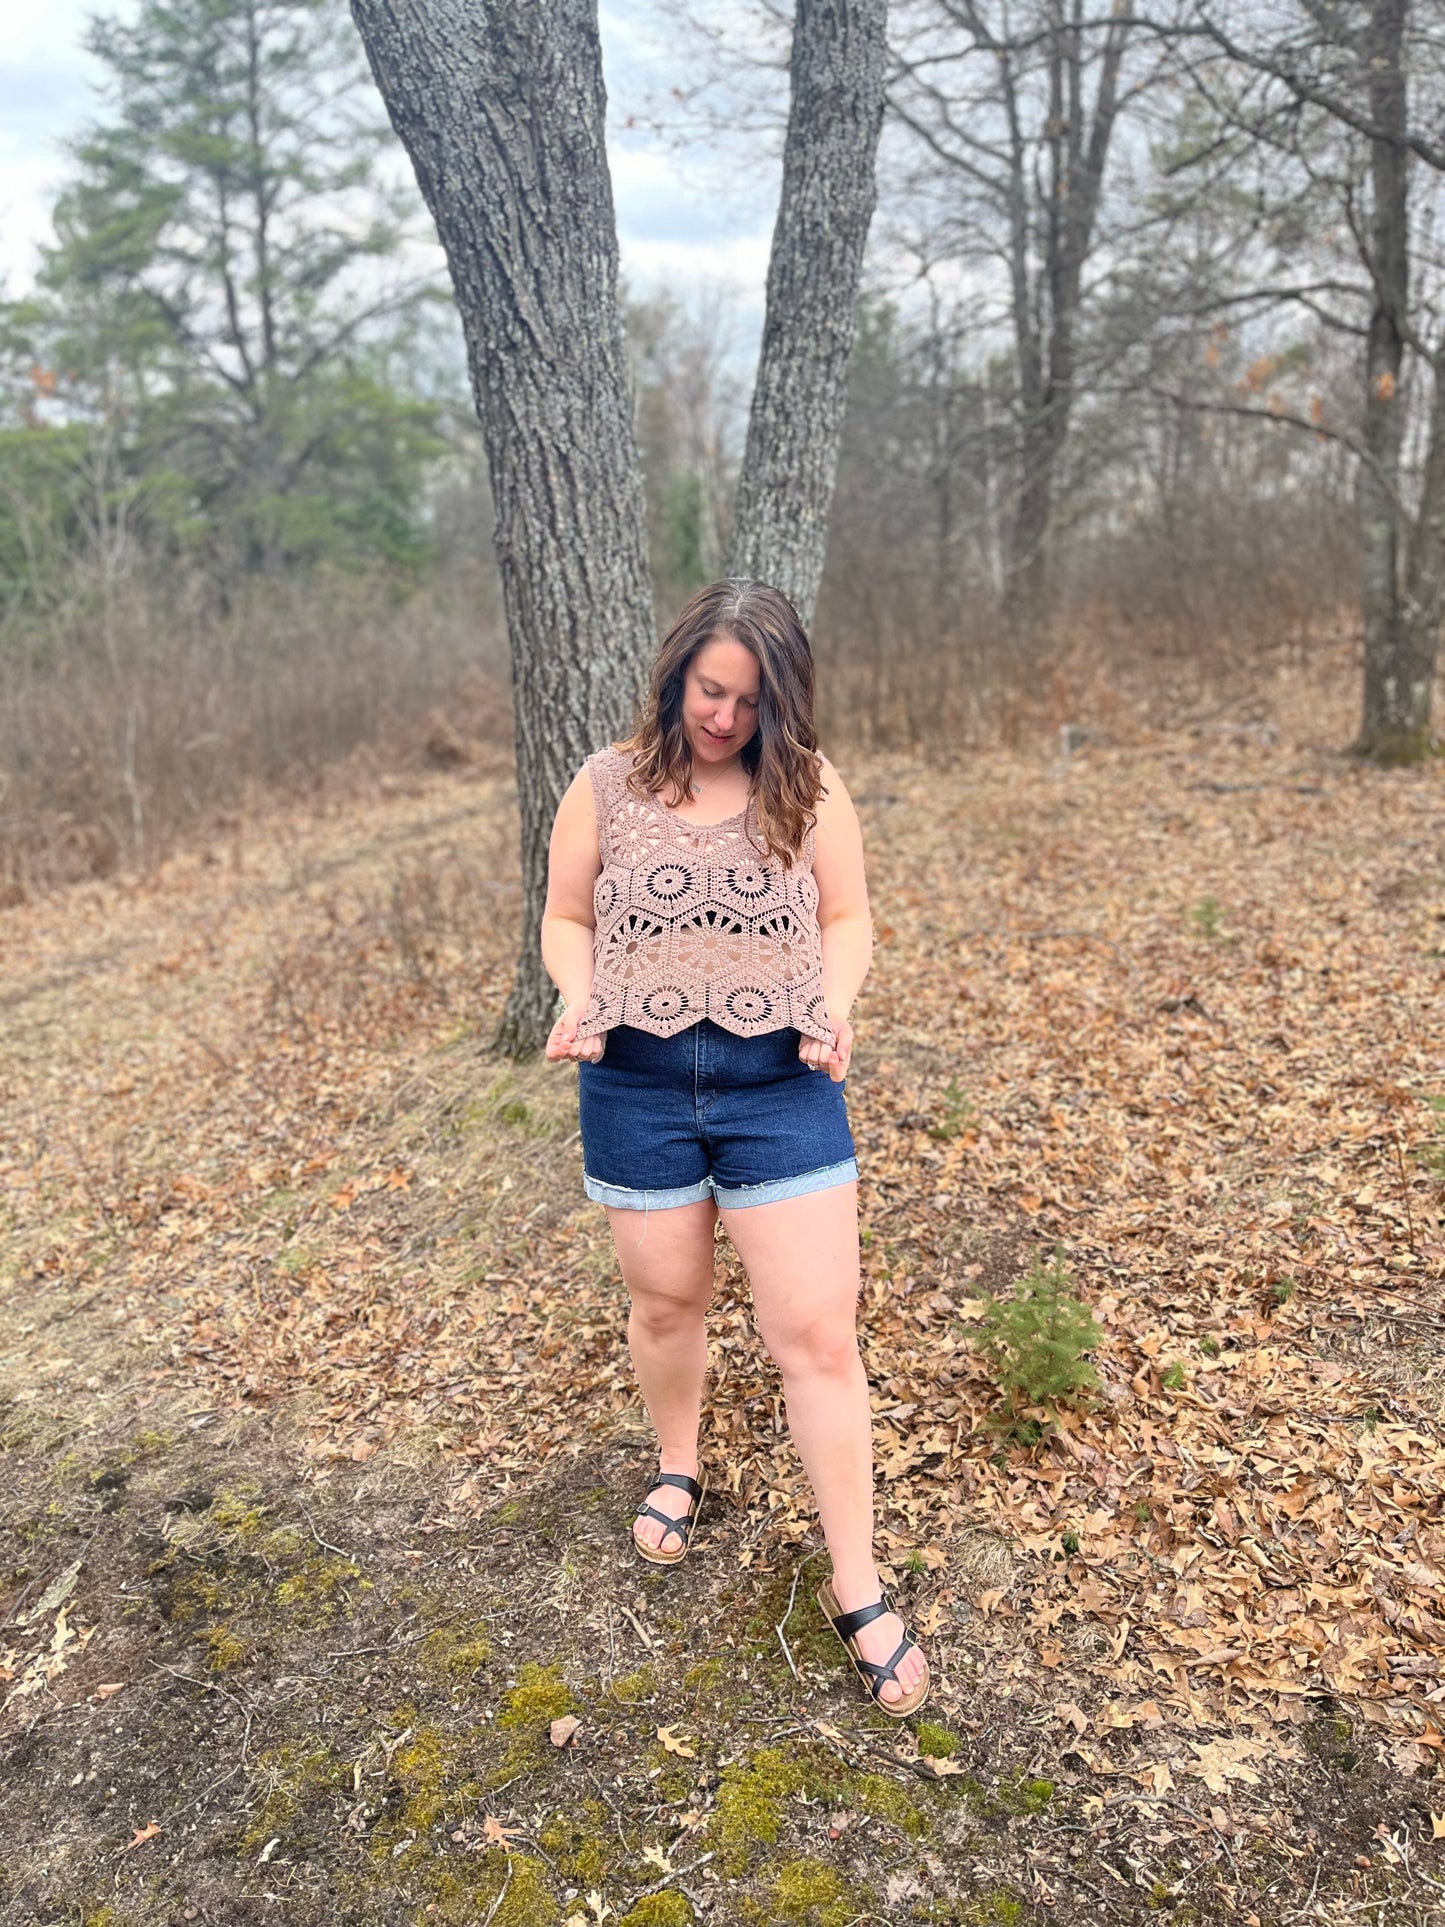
844,919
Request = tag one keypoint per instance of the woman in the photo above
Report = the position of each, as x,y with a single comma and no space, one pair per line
707,927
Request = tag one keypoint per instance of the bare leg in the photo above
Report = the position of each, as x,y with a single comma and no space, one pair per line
667,1265
801,1256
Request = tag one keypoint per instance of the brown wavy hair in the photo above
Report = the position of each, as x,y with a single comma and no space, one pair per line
781,756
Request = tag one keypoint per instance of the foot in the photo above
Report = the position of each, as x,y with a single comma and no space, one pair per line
674,1503
878,1641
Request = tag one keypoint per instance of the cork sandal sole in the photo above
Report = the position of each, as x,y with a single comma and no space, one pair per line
898,1709
696,1490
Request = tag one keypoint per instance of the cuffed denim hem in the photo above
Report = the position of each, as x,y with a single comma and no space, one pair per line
823,1179
629,1200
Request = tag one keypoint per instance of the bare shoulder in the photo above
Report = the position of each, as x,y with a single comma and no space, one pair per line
577,809
834,799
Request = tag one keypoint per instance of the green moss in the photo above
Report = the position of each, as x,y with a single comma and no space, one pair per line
449,1653
667,1909
312,1592
540,1696
752,1795
227,1650
936,1742
749,1808
706,1677
810,1890
998,1908
233,1512
299,1780
884,1799
510,1513
1025,1796
463,1892
635,1687
420,1768
581,1842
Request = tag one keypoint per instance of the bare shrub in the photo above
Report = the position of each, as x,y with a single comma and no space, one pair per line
115,738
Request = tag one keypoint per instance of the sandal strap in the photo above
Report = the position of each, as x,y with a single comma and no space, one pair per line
682,1527
681,1481
846,1624
890,1671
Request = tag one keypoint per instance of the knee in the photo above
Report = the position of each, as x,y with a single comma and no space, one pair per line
821,1349
667,1314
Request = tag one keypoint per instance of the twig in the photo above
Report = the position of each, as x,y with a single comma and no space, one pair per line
496,1904
637,1626
603,1796
325,1544
676,1874
611,1649
792,1595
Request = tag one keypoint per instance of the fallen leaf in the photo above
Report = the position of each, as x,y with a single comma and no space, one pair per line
674,1745
142,1834
563,1731
55,1594
499,1836
1072,1715
107,1691
940,1769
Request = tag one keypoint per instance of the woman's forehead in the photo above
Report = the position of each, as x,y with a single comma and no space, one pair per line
724,660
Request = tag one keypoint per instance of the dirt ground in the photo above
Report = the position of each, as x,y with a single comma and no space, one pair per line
319,1448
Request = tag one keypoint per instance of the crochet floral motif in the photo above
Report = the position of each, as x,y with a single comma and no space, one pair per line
693,920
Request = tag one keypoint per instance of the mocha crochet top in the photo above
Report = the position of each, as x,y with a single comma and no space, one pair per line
692,921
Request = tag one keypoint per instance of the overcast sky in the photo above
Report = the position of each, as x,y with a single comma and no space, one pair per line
681,220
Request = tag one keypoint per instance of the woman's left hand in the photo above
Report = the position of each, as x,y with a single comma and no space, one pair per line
816,1054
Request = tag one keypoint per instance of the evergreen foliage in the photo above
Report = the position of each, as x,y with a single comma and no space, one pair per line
1036,1341
217,352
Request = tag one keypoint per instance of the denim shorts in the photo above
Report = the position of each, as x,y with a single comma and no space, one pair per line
672,1120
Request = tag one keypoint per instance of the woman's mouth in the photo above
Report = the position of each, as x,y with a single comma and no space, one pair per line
714,735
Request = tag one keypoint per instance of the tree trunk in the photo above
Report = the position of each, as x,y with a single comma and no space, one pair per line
780,518
501,108
1424,605
1395,724
1077,146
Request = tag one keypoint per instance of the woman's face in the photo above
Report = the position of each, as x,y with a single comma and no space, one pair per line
720,700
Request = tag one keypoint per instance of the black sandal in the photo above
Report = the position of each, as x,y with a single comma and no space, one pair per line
846,1625
682,1527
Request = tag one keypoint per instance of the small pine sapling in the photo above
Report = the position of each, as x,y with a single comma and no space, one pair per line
1035,1342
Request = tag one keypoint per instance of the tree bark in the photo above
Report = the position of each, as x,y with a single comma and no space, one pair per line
780,517
501,108
1424,606
1078,150
1395,724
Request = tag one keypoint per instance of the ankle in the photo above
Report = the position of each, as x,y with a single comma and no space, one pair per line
685,1463
856,1583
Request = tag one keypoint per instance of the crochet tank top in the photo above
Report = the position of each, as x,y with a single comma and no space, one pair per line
692,921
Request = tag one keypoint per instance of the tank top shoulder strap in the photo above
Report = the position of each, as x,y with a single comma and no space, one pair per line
609,768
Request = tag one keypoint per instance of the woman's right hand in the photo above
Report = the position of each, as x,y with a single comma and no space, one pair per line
563,1044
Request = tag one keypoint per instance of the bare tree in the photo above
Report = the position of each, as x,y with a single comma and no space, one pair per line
780,517
501,109
1013,111
1342,99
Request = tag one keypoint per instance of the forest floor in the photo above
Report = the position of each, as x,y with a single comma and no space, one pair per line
319,1448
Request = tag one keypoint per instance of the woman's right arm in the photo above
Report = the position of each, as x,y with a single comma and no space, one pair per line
574,863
